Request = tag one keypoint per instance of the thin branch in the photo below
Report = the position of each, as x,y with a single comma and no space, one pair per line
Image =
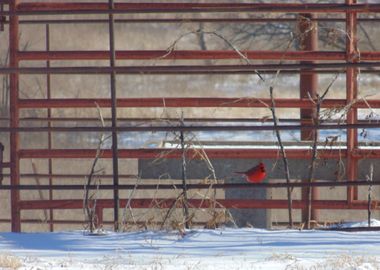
184,180
88,208
278,135
370,179
38,182
284,158
128,205
370,43
200,31
318,104
171,208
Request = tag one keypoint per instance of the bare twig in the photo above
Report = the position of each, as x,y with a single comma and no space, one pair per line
89,207
272,108
284,158
202,32
370,42
184,188
370,179
171,208
128,205
38,182
314,155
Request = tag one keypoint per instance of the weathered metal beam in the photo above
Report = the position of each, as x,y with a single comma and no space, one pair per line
193,55
229,203
193,128
308,41
152,120
191,186
50,143
352,56
14,115
57,8
159,119
113,94
186,20
68,176
188,69
192,153
233,102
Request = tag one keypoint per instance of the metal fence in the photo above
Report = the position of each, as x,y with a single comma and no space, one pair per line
308,63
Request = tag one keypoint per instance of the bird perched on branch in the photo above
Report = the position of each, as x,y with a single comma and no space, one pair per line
256,174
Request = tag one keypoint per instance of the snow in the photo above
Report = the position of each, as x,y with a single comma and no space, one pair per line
374,223
226,248
154,139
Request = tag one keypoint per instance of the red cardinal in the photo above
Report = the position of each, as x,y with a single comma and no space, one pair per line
256,174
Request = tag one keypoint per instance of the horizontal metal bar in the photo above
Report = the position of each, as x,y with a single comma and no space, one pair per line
151,120
304,71
181,69
189,128
81,222
104,222
193,55
69,176
5,165
127,8
232,102
199,203
191,186
157,120
150,153
48,221
186,20
109,176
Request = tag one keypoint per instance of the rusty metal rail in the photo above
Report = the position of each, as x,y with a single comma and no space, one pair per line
200,203
180,69
246,102
194,54
185,20
189,186
193,128
246,153
128,8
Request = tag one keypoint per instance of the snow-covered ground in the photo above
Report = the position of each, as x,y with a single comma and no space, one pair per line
199,249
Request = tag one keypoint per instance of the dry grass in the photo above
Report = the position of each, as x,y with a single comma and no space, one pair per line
342,262
281,257
347,261
9,262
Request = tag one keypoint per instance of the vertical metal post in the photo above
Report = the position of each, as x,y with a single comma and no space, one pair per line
308,30
115,159
14,116
308,81
48,94
351,95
